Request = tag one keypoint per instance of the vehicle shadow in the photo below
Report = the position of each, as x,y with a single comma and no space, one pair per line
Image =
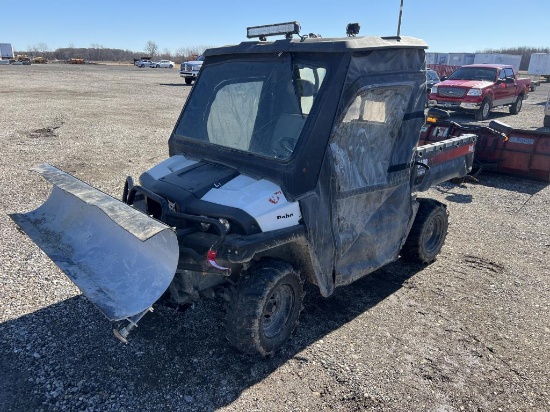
65,354
173,84
447,187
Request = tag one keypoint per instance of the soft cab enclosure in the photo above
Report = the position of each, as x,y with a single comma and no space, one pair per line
334,123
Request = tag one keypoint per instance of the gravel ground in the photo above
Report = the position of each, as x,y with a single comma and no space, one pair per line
469,332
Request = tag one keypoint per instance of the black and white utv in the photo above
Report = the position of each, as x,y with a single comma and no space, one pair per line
292,161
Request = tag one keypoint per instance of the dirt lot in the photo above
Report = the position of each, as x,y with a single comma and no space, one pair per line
470,332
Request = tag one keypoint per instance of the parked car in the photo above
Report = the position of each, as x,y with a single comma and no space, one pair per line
167,64
143,63
431,79
547,112
190,70
478,88
4,61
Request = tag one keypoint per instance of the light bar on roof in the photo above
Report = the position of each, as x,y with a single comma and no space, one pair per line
288,29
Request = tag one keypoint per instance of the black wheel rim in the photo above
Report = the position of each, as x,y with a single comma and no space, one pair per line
277,310
434,234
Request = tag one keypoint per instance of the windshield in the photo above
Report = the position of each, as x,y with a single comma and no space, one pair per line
257,106
474,73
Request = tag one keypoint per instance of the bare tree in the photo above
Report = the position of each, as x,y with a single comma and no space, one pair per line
166,54
96,52
179,55
42,47
151,48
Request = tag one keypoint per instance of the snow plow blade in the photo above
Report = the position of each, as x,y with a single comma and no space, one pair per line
121,259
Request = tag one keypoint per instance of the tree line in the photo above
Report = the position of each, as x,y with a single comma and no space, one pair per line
524,51
98,53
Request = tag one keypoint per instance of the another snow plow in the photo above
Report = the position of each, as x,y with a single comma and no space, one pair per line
499,147
292,161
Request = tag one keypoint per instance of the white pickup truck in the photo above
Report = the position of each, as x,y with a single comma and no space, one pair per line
190,70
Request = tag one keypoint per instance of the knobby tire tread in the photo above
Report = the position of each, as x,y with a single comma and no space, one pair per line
246,301
413,250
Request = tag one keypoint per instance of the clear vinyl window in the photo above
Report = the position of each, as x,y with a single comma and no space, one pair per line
259,107
362,142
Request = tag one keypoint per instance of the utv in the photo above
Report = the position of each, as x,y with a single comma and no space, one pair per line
292,161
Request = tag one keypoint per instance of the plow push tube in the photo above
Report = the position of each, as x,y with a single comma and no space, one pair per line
121,259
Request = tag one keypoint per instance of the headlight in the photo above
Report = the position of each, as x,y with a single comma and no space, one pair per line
474,92
434,89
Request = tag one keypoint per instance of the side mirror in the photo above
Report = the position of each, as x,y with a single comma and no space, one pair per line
443,78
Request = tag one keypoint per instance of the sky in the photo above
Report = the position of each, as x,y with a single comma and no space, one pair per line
453,26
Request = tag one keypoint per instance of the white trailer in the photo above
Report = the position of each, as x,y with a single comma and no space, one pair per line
460,59
539,65
6,51
498,58
437,58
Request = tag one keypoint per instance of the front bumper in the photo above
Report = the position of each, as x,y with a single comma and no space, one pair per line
187,74
450,105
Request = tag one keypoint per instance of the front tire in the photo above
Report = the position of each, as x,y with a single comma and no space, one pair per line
188,81
428,232
264,307
484,110
546,121
517,105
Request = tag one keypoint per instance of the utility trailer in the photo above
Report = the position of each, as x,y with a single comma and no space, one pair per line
292,161
539,65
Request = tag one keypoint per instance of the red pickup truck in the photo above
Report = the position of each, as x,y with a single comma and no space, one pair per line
478,88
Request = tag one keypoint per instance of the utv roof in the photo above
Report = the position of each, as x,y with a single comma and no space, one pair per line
321,45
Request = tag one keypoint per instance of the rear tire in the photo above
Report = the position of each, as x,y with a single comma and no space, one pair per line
428,232
264,307
517,105
188,81
484,110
